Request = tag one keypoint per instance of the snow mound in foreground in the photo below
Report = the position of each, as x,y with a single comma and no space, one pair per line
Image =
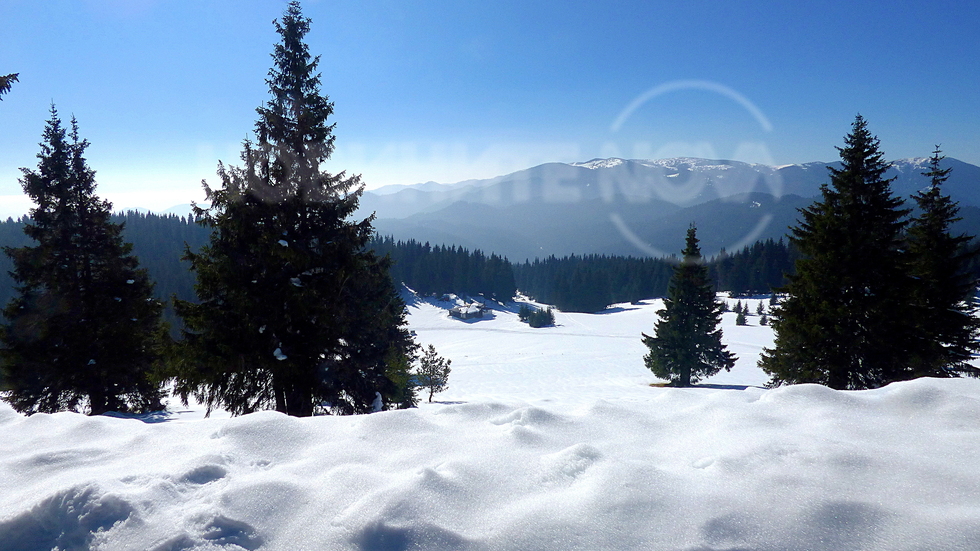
800,467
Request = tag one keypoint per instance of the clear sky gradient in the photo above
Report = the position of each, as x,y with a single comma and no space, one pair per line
447,91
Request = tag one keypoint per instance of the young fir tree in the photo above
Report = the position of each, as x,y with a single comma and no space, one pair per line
946,309
83,332
687,346
740,318
433,371
846,322
295,315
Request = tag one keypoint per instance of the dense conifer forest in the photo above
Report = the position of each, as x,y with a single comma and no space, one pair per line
158,241
440,269
572,283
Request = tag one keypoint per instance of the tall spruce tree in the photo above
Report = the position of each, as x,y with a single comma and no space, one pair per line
295,315
946,308
687,346
847,321
83,332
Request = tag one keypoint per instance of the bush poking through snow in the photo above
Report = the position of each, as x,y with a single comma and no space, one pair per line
536,318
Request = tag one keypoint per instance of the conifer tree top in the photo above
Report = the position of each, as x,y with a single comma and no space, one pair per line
692,251
861,154
293,122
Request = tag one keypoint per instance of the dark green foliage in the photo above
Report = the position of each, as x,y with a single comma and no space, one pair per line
83,331
846,322
687,346
739,308
754,270
740,318
158,242
761,309
764,320
295,314
399,372
946,308
536,318
590,283
433,371
438,270
5,82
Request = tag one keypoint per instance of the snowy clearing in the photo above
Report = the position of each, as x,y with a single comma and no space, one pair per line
546,439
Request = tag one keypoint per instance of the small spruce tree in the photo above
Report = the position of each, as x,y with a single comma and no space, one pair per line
740,319
687,344
433,371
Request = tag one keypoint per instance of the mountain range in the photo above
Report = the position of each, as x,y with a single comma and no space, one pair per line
630,206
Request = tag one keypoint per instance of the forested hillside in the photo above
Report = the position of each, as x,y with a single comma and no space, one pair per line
590,283
572,283
441,269
158,241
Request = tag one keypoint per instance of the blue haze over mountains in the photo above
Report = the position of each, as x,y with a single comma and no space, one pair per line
631,207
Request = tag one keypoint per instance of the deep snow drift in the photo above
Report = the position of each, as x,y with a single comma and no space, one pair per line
546,439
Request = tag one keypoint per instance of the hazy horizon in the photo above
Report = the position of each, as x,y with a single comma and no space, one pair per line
446,92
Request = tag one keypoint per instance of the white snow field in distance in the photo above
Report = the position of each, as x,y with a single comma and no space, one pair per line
547,439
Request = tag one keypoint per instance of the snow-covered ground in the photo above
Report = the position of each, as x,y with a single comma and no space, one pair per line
547,439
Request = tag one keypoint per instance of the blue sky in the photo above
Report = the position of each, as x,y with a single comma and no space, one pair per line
446,91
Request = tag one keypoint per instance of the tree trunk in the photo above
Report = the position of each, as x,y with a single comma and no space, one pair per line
97,402
280,395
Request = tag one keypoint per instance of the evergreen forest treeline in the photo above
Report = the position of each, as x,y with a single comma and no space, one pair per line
573,283
158,241
439,269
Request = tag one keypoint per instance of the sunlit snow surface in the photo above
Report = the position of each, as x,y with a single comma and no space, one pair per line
547,439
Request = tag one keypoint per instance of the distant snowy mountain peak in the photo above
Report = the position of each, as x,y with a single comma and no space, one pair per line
600,163
913,164
692,163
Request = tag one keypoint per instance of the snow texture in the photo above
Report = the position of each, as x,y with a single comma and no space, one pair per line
547,438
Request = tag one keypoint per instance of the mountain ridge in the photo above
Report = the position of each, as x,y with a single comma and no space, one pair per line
629,206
